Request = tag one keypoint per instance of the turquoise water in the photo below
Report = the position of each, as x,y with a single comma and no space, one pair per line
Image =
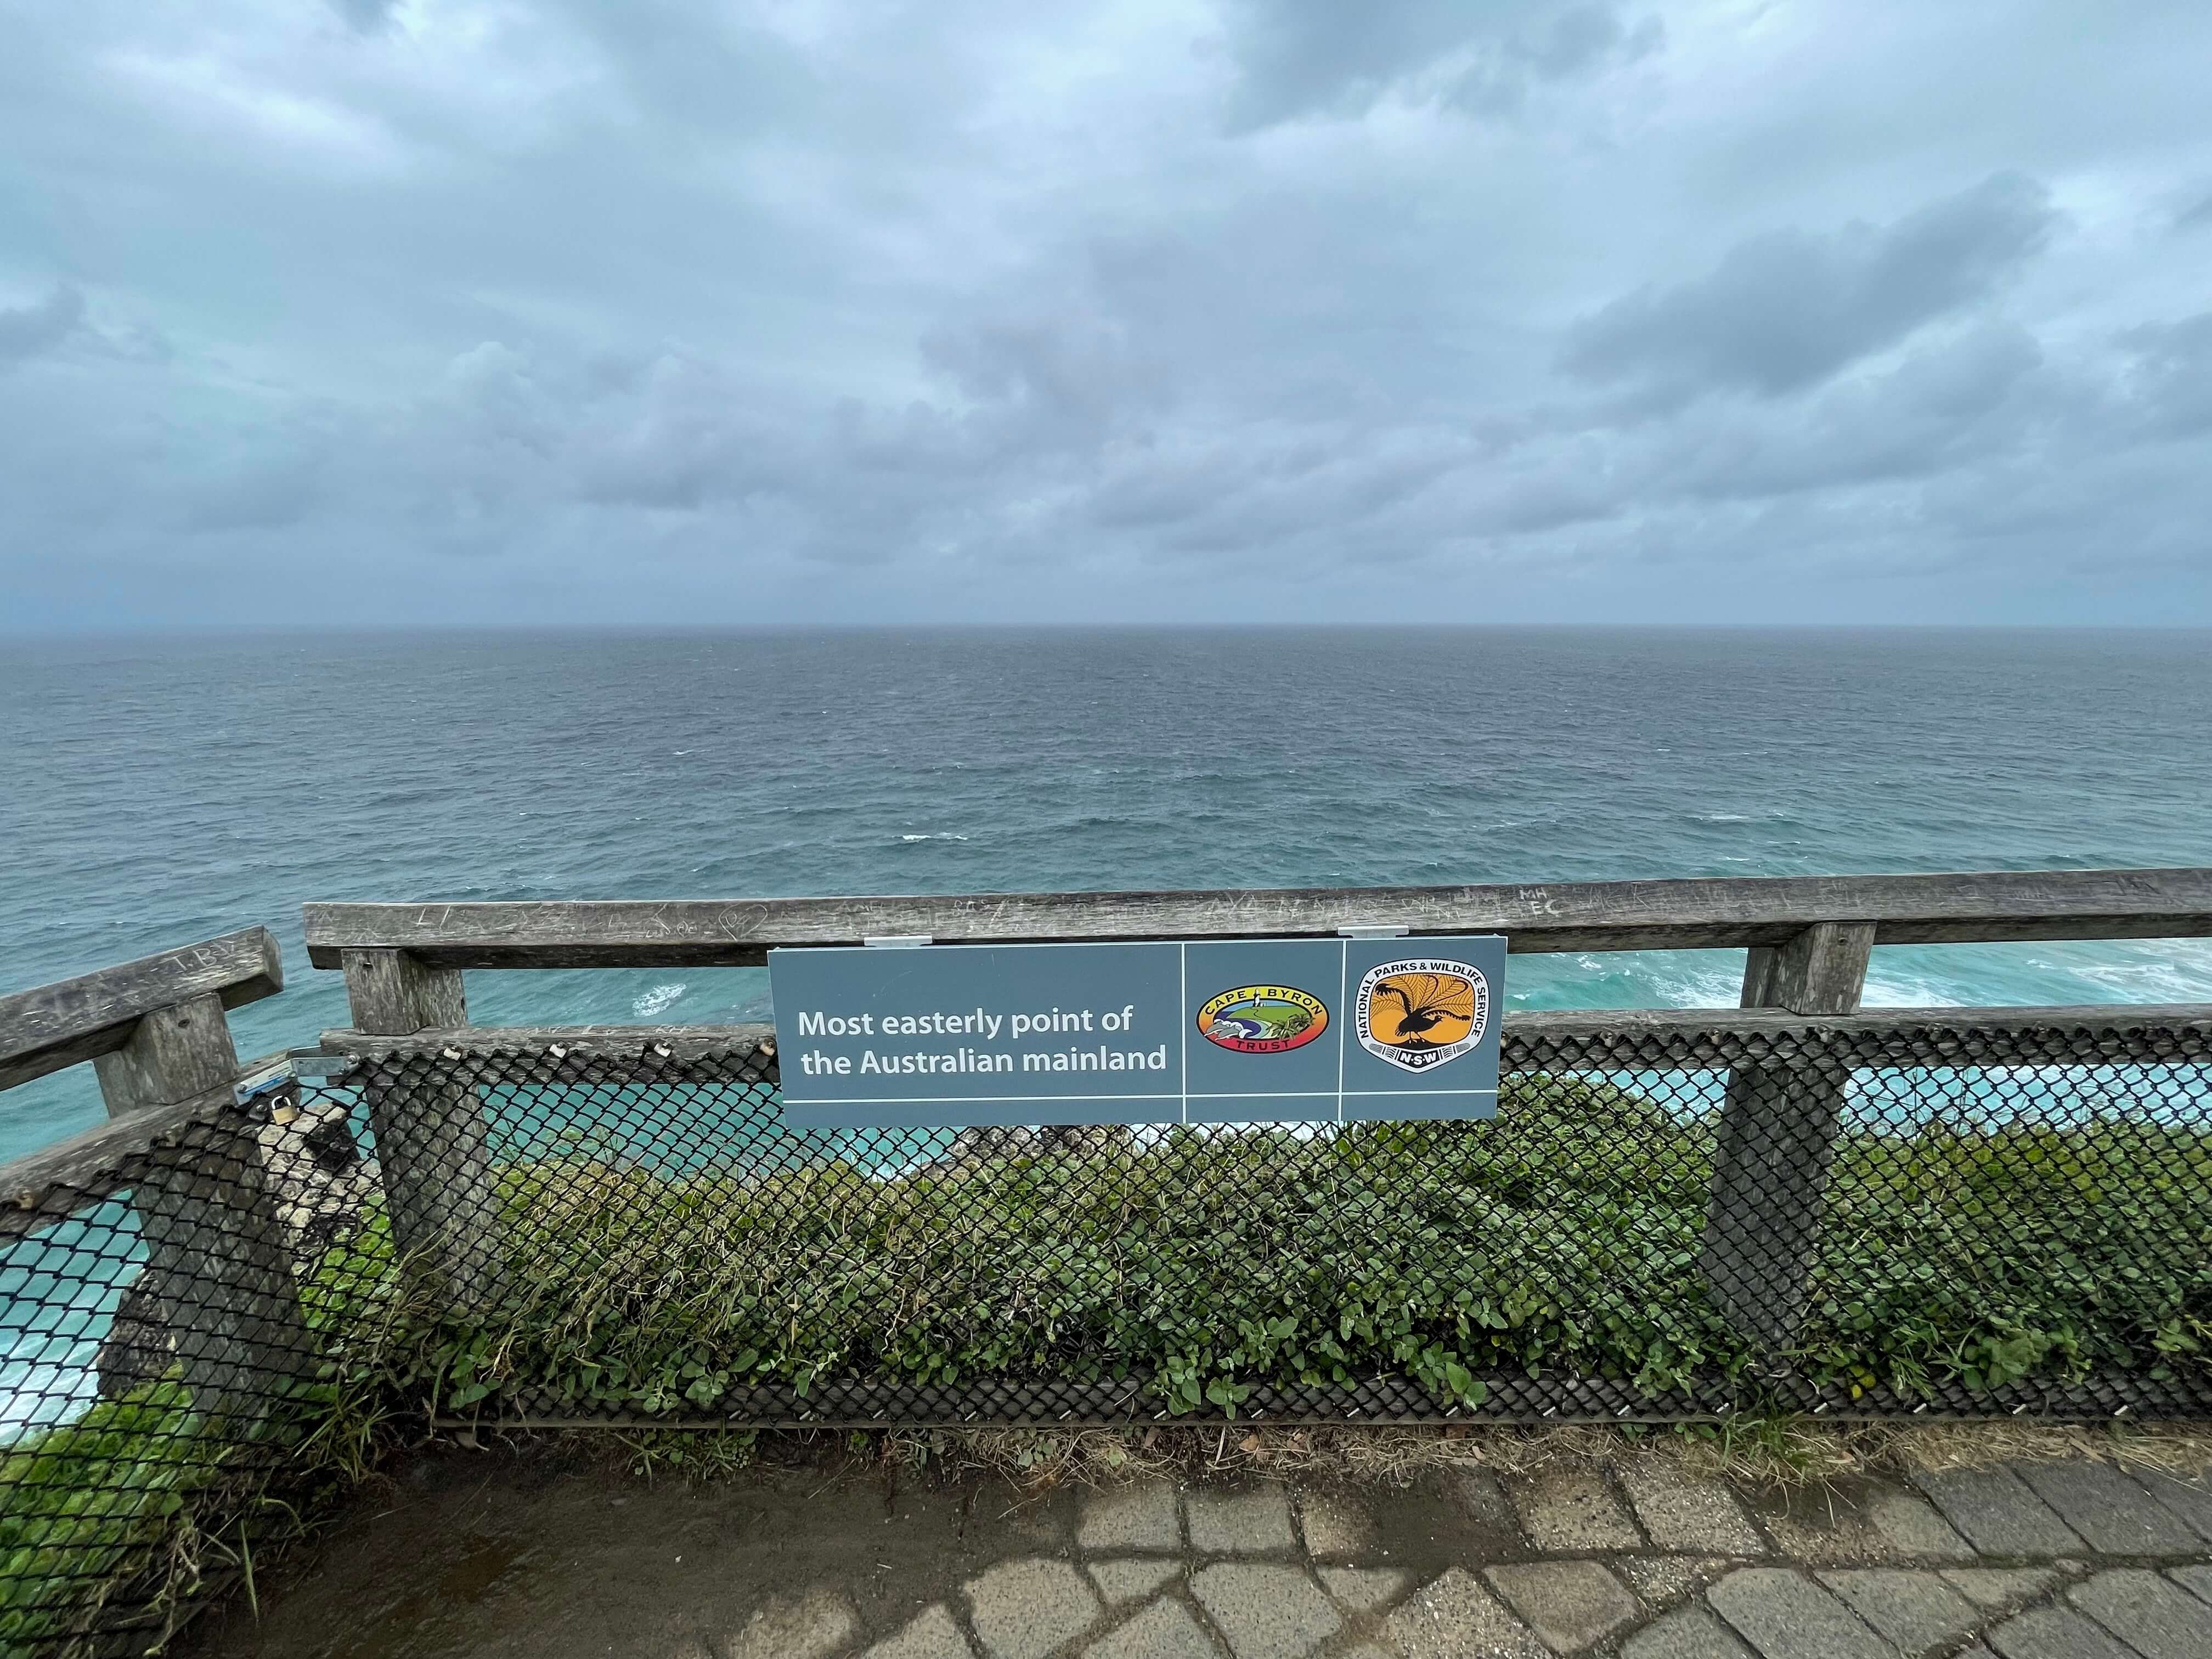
161,791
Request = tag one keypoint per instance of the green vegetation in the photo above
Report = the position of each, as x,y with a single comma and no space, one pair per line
1563,1238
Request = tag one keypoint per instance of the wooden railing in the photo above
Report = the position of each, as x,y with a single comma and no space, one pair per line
156,1030
1806,940
215,1293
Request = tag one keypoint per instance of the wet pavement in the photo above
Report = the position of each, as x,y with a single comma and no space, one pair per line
470,1556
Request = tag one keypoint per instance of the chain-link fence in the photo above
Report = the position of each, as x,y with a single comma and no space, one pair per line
1662,1222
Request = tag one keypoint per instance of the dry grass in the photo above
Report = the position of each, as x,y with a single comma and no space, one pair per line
1768,1452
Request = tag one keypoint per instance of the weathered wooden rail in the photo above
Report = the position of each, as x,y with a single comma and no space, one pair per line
1807,940
216,1291
155,1029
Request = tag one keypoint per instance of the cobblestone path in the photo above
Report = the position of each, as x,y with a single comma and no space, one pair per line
1636,1559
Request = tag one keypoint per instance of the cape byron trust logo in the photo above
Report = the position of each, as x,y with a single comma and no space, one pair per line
1422,1011
1262,1019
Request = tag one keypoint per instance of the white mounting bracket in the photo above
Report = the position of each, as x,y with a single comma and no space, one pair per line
1372,932
898,942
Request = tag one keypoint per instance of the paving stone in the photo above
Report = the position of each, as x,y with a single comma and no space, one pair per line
1571,1605
1267,1611
1997,1512
2156,1617
1909,1525
1573,1509
2189,1498
2054,1634
932,1635
1785,1615
1915,1610
1688,1633
1365,1588
1455,1618
1664,1580
804,1628
2196,1579
1683,1512
1255,1521
1165,1630
1336,1524
1138,1516
2000,1587
1131,1579
1857,1522
1496,1534
2114,1516
1024,1609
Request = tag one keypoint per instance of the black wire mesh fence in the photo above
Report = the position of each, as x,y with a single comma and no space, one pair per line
1662,1223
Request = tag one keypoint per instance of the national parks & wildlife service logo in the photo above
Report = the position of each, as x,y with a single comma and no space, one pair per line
1422,1011
1262,1019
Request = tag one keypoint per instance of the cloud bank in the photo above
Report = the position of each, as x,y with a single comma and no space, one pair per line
550,311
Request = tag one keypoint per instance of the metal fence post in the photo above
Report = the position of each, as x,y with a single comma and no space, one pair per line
432,1144
1778,1134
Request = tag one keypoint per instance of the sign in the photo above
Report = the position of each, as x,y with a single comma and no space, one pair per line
1203,1031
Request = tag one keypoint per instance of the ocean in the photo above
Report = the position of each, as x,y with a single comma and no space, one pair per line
159,790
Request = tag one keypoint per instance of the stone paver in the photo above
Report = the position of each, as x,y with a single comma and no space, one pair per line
1133,1579
1365,1588
1875,1522
1267,1611
1915,1610
2000,1587
1165,1630
2156,1618
1662,1580
2190,1499
2197,1579
1688,1633
1785,1615
1336,1524
1573,1509
1455,1618
1255,1521
930,1635
1997,1512
803,1629
1024,1609
2112,1512
1908,1523
1483,1495
1680,1511
1570,1605
1138,1516
2054,1634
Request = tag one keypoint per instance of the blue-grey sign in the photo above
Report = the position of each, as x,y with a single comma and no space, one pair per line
1201,1031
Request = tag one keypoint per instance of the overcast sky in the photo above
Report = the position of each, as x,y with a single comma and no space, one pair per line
718,311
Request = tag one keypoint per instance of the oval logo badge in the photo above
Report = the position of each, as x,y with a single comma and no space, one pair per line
1421,1013
1262,1019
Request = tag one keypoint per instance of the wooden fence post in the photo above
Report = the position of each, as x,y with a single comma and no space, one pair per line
216,1293
432,1144
1777,1136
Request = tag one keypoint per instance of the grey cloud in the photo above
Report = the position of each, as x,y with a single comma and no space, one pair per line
1300,57
582,311
1786,310
2174,371
365,16
28,331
